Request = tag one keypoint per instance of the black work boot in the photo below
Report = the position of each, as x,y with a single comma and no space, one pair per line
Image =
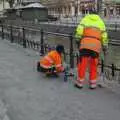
51,74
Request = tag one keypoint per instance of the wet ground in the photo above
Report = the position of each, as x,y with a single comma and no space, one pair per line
30,95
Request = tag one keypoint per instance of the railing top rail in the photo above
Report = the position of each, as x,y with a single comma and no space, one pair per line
38,30
110,66
59,34
114,44
112,41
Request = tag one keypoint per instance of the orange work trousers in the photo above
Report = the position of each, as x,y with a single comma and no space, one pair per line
83,65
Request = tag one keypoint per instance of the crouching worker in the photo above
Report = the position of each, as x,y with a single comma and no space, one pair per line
51,63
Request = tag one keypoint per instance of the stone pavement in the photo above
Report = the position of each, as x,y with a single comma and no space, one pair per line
29,95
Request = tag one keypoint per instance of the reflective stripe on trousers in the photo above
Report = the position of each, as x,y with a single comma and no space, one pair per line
46,66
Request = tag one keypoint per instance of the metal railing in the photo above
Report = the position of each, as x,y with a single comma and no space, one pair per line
25,36
110,25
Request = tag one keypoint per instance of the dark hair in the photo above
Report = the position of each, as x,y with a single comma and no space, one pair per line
60,48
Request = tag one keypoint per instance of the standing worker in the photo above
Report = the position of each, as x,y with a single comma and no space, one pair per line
92,36
52,62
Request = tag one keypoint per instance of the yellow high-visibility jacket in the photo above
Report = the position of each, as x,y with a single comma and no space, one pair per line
92,20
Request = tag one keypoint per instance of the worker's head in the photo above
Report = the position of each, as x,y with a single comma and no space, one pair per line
60,48
93,11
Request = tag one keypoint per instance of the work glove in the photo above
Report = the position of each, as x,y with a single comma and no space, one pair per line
60,69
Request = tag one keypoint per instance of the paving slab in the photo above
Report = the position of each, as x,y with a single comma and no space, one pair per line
30,95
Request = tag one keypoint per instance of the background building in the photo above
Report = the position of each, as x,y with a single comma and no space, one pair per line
61,8
28,10
4,5
69,8
111,8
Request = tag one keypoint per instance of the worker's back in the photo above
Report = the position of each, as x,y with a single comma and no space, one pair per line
50,59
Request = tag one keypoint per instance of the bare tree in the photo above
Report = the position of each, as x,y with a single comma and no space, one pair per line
11,2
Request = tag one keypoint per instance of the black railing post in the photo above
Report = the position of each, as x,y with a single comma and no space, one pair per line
24,40
42,43
102,66
11,34
113,70
71,52
2,31
65,57
77,56
115,26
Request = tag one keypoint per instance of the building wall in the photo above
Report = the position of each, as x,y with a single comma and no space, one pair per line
71,7
34,14
66,9
11,14
59,10
6,5
106,8
111,9
87,5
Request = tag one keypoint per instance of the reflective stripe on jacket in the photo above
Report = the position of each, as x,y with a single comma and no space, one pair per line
91,39
53,58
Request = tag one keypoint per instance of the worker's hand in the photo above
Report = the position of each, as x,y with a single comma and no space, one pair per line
62,69
105,50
